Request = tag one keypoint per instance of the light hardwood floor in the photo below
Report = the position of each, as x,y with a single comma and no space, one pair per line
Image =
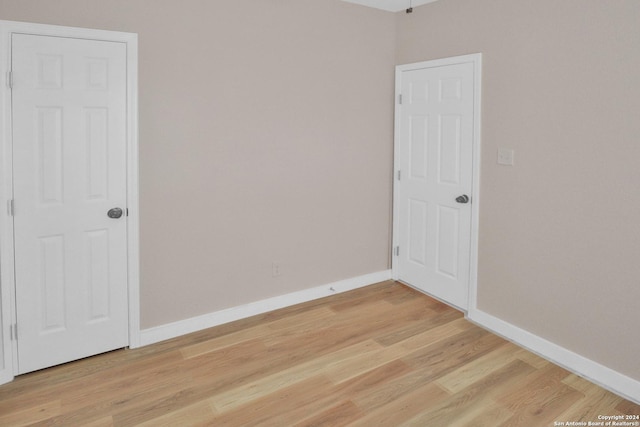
383,355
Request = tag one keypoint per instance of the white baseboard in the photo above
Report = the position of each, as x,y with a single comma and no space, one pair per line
607,378
194,324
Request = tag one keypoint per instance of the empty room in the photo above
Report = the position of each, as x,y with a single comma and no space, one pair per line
319,212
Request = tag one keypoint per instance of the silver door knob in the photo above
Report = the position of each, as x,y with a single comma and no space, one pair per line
462,199
114,213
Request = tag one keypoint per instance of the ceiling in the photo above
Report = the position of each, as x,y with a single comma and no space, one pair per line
390,5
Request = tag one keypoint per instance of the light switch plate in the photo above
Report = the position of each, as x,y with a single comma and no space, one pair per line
505,157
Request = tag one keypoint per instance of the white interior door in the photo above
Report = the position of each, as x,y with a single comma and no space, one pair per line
69,162
435,180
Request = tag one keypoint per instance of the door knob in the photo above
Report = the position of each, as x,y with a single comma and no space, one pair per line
462,199
114,213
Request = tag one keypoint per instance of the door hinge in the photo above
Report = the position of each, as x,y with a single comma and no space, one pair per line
10,207
13,331
10,79
400,99
399,175
397,251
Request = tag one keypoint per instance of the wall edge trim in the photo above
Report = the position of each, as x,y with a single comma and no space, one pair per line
194,324
598,374
390,5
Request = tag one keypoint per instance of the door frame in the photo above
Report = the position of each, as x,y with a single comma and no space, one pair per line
476,60
8,348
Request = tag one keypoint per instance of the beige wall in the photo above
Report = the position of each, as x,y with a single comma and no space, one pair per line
560,230
265,135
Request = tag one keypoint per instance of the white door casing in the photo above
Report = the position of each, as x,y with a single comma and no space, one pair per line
70,108
436,162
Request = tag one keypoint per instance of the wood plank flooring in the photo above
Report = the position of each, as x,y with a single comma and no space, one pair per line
384,355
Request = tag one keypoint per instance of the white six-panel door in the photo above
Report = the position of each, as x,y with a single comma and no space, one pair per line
70,169
434,138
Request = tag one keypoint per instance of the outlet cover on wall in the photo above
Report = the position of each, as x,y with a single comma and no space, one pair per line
505,156
276,269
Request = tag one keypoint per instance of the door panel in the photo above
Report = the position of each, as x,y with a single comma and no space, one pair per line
418,237
449,148
69,145
436,148
447,251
